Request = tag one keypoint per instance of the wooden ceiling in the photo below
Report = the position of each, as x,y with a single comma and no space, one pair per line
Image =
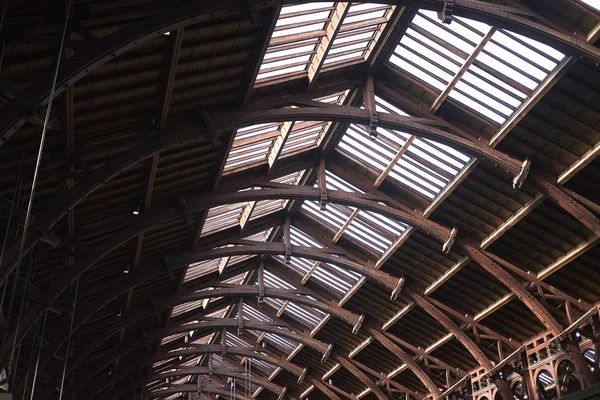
189,217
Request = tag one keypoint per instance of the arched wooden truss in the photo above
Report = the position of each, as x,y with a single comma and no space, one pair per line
193,207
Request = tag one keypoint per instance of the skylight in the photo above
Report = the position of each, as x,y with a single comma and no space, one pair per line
268,143
311,36
229,215
335,278
490,71
358,34
297,33
222,217
421,165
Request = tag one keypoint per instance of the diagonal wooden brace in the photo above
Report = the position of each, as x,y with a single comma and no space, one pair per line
448,245
327,353
519,179
398,288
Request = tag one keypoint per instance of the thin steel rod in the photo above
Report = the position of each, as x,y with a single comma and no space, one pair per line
64,373
10,214
35,174
28,280
37,363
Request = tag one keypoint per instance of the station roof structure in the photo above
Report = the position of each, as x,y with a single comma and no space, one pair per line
291,199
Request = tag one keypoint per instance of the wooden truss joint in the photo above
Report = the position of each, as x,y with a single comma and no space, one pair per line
446,13
398,288
253,13
358,324
156,309
302,376
282,394
187,213
520,178
327,353
168,266
451,239
212,131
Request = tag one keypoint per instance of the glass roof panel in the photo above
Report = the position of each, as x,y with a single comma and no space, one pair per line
360,29
255,145
293,43
592,3
424,167
222,217
503,67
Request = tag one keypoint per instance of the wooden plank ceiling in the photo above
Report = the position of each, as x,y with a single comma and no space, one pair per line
351,256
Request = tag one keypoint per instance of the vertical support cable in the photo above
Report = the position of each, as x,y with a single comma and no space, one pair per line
249,378
35,176
28,280
62,381
37,363
10,214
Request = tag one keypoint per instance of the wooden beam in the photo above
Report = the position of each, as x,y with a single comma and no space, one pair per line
394,161
405,358
466,341
578,165
279,143
370,105
175,39
512,221
447,275
361,376
566,202
568,257
322,182
332,28
464,67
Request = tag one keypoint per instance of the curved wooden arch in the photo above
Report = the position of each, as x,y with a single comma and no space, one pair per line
222,372
238,351
192,388
294,296
88,60
136,277
218,324
231,323
405,358
463,338
260,248
346,114
186,129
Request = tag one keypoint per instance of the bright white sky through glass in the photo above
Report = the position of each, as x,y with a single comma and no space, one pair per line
506,71
593,3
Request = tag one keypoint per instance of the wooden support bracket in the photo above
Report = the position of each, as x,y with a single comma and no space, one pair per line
359,323
519,179
327,353
210,128
187,213
168,267
448,244
398,288
302,376
445,14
